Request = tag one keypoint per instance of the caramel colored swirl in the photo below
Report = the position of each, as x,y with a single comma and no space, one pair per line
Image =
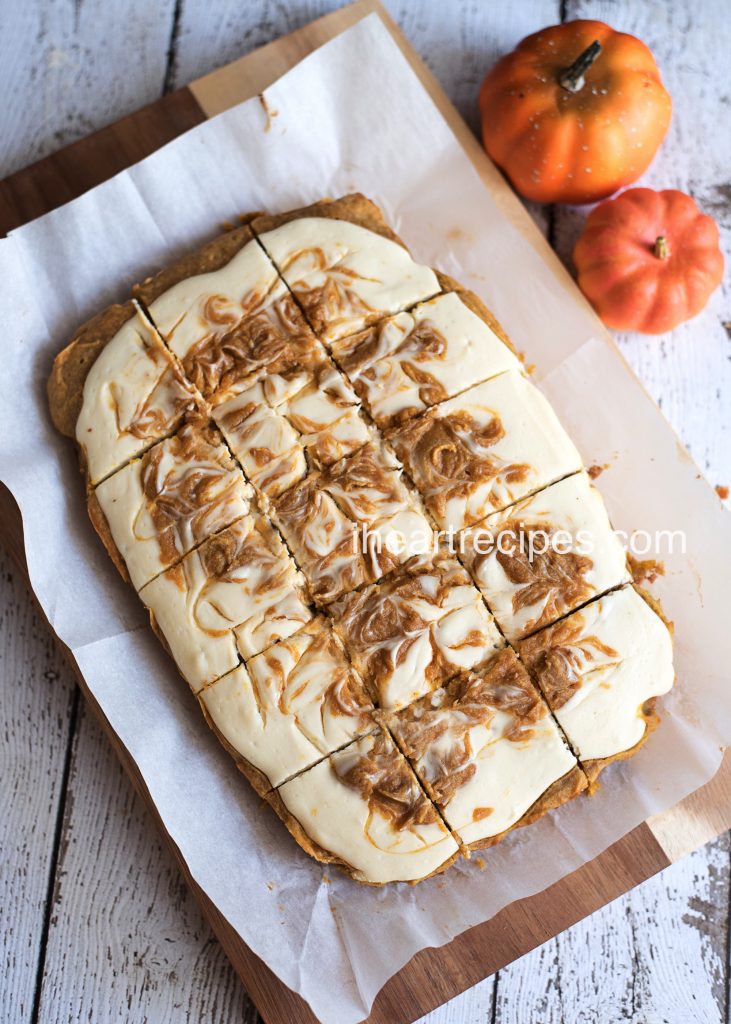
561,655
161,407
327,293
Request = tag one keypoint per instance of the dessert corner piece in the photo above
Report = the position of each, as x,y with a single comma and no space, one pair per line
235,595
545,556
343,264
601,670
290,706
484,450
414,631
352,523
363,809
117,390
488,752
414,360
157,508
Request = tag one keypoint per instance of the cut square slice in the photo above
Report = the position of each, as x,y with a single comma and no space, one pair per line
488,752
283,423
352,523
133,392
409,362
343,264
289,707
543,557
158,508
484,450
601,670
411,633
234,320
363,809
235,595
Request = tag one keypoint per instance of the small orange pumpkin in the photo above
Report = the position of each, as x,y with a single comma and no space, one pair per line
648,260
576,112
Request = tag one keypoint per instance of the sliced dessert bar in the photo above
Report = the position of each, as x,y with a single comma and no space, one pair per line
411,361
289,707
235,595
601,670
363,809
484,450
488,752
411,633
544,556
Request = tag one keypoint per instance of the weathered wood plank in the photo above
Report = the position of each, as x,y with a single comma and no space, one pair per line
38,696
127,941
69,68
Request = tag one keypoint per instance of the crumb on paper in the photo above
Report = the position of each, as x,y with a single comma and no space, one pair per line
597,470
645,570
280,908
479,861
228,225
270,886
269,112
326,880
722,491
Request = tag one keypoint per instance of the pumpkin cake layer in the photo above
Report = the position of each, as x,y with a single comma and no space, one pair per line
484,450
276,422
409,362
343,264
285,423
601,670
117,389
290,705
363,809
411,633
159,507
488,751
233,596
352,523
544,556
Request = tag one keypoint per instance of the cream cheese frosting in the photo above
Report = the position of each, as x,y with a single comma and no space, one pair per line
487,748
182,491
409,634
484,450
134,395
237,594
598,667
414,360
344,275
352,523
364,806
291,705
544,556
280,425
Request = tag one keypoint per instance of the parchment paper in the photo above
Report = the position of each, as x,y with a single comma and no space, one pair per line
352,116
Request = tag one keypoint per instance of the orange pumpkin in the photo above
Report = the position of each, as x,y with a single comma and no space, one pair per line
648,260
576,112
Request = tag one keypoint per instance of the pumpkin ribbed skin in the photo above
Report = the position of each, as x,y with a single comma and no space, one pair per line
647,260
558,146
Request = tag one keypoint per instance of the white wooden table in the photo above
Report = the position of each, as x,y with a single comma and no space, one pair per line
95,921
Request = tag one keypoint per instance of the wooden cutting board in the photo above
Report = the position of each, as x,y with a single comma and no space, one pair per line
434,975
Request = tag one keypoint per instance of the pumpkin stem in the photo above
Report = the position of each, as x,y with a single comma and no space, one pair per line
572,78
661,249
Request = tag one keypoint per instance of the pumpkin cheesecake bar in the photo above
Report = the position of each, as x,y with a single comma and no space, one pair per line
226,314
116,389
411,361
601,670
488,752
545,556
343,264
363,809
235,595
289,706
484,450
415,630
285,423
352,523
159,507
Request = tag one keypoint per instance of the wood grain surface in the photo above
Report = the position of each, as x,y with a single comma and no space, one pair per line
97,923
